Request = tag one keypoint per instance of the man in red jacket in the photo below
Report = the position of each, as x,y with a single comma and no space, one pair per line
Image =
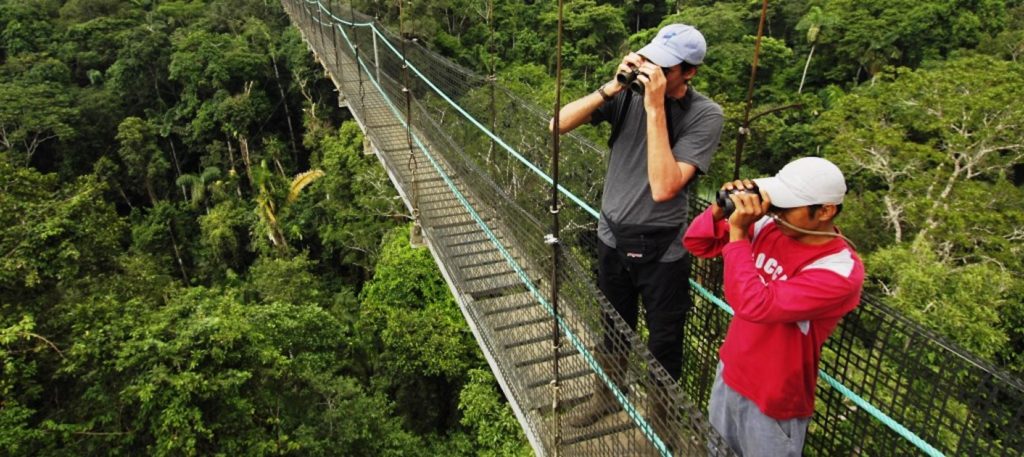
789,276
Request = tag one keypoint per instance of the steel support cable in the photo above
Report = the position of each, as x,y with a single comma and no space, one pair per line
320,18
334,40
352,11
577,343
648,432
744,129
556,245
411,163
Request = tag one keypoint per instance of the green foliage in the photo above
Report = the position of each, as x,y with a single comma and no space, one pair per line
285,280
962,301
49,232
417,317
352,204
225,236
930,158
144,162
32,115
164,324
17,386
727,63
140,74
593,34
424,347
207,374
927,143
495,429
875,34
1007,44
27,26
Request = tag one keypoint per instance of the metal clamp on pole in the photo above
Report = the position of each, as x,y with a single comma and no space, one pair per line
550,239
555,387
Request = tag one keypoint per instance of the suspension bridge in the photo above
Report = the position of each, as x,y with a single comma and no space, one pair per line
466,156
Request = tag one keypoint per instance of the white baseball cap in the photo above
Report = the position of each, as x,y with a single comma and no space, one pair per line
676,43
803,182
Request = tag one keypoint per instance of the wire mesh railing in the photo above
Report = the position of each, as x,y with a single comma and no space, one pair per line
889,387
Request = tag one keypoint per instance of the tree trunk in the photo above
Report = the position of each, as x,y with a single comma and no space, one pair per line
243,146
177,169
287,112
806,65
177,252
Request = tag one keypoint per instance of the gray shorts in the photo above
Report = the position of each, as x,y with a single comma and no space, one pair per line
747,430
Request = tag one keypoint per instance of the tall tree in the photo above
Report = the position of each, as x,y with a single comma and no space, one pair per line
929,157
144,161
813,22
32,115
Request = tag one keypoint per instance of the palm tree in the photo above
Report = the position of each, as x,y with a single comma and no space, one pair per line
813,22
269,203
199,184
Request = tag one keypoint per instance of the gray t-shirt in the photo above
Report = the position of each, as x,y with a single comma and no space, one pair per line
696,123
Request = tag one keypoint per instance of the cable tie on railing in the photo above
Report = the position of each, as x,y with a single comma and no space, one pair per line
550,239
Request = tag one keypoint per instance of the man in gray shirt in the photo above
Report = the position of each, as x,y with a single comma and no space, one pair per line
662,139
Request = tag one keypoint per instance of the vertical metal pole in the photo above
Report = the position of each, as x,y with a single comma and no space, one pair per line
334,36
556,247
413,166
376,52
741,138
492,77
337,49
320,30
355,46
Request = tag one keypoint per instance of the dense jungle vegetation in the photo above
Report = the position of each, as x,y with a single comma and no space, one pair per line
196,257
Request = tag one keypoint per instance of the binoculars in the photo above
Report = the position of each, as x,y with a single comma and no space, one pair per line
724,202
629,79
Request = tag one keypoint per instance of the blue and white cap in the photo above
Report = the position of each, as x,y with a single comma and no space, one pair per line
674,44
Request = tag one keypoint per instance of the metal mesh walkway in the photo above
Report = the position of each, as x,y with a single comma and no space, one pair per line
461,151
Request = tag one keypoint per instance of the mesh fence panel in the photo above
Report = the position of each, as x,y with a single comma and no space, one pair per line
486,214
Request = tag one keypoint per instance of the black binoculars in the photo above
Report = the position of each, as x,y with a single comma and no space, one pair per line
724,202
629,79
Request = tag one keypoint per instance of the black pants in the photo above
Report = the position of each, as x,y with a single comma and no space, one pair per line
665,289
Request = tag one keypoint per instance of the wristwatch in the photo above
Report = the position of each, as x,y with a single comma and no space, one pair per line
604,95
